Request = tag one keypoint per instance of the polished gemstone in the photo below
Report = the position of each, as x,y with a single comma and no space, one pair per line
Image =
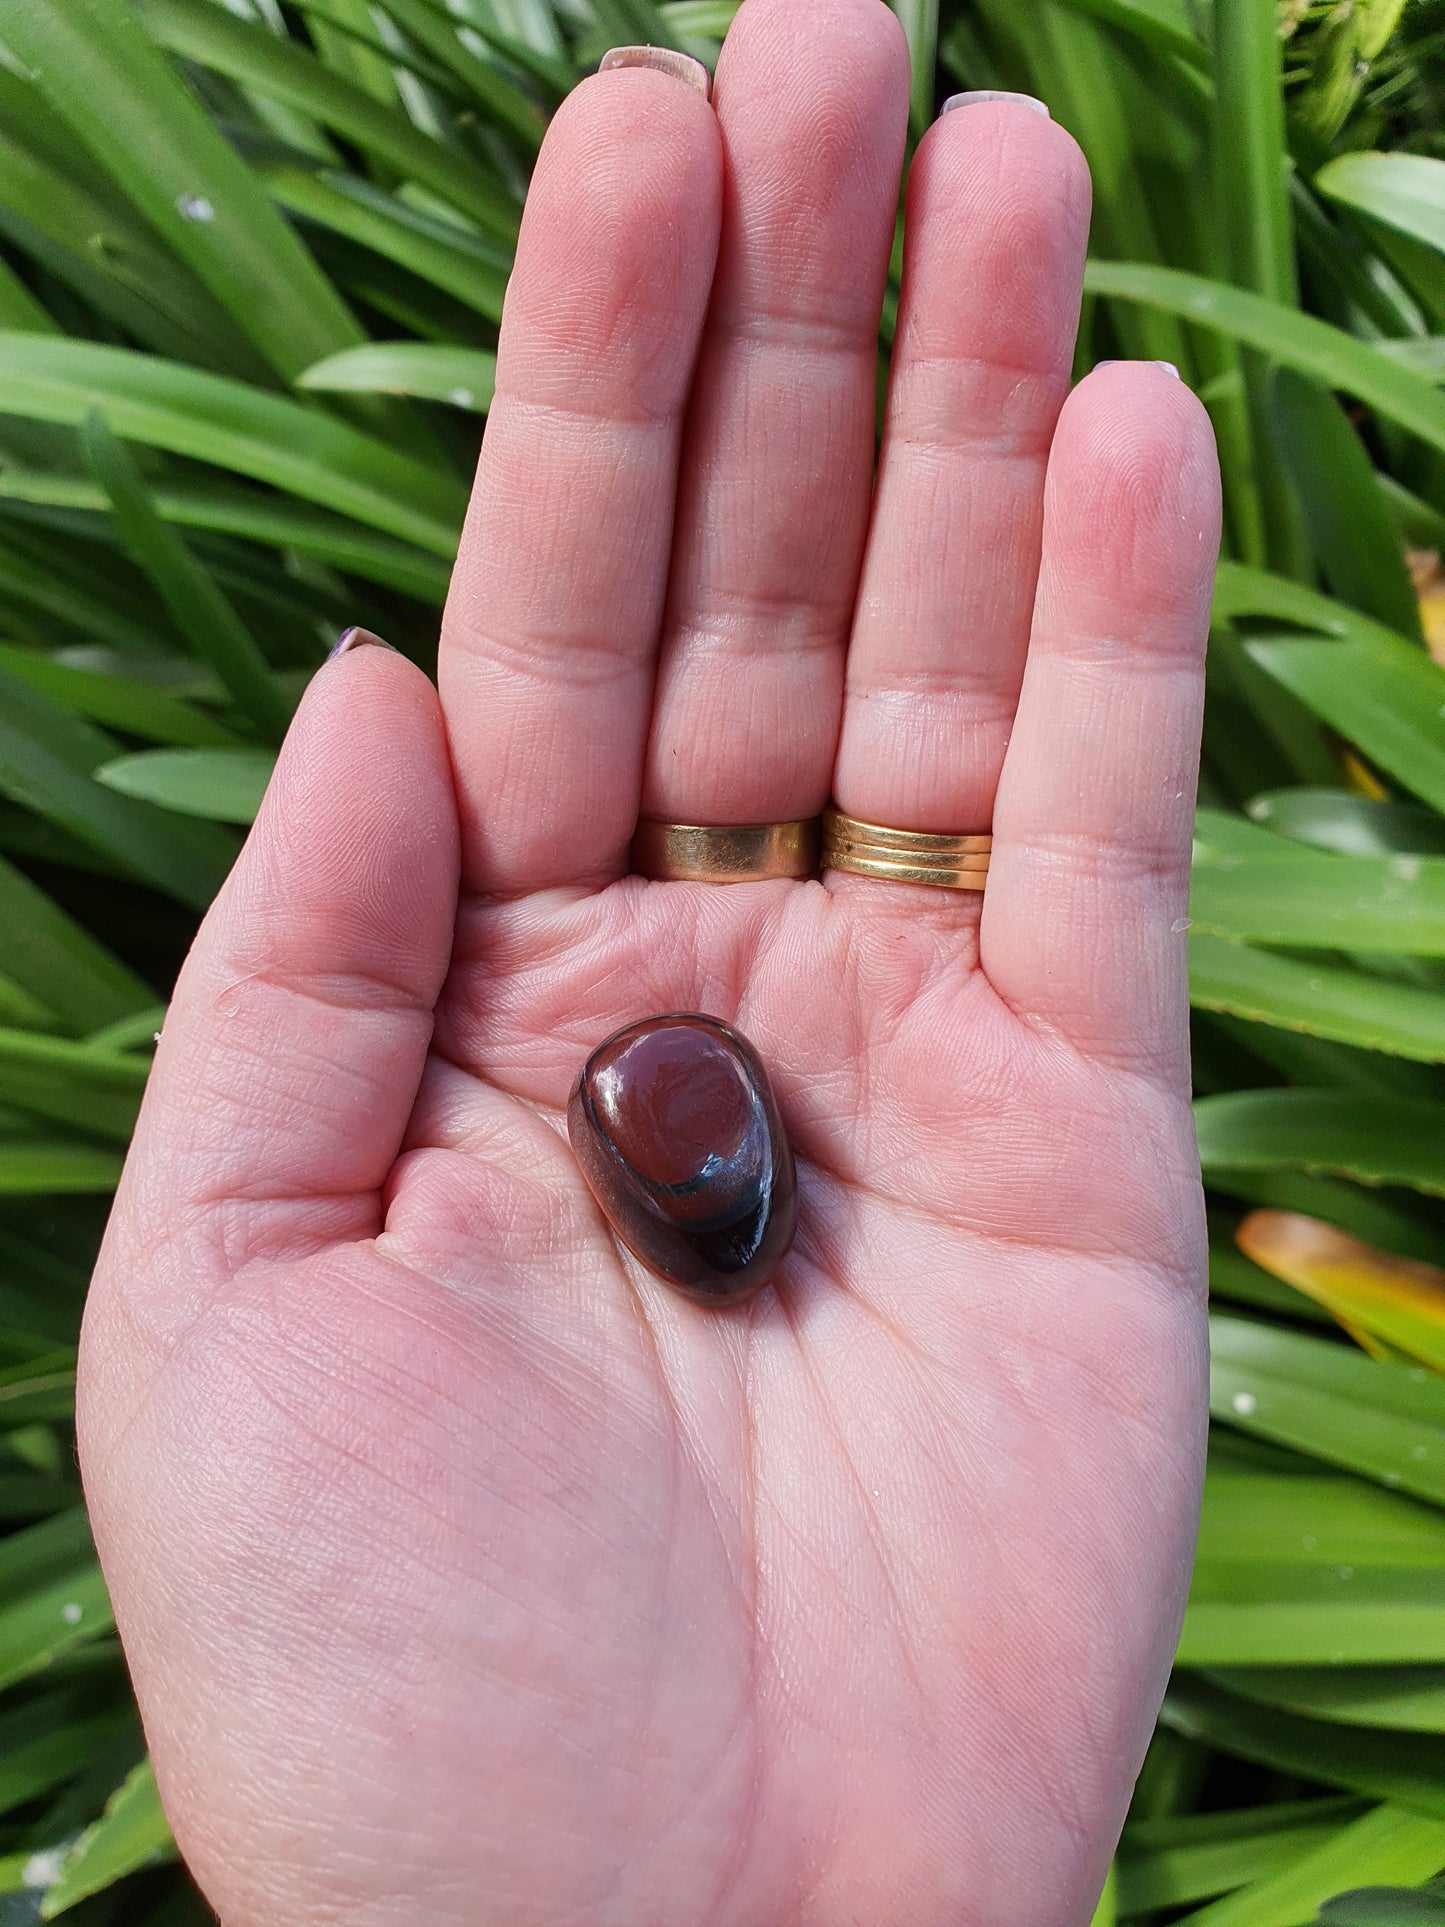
676,1129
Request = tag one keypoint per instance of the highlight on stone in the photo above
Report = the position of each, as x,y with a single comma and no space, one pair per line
678,1134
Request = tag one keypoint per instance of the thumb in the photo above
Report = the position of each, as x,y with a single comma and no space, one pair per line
295,1042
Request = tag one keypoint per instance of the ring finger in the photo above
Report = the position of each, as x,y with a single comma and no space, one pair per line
997,222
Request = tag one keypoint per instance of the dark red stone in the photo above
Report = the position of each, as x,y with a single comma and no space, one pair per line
676,1129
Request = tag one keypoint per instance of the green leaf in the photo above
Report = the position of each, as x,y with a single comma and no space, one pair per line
462,376
262,518
59,962
1251,166
217,635
1162,24
115,701
1266,1613
1387,1907
1106,1914
1372,1140
55,594
38,1391
1406,191
131,1833
111,260
500,99
920,27
1304,899
1314,1518
1349,526
46,760
1298,340
1347,824
166,405
1391,1220
54,1170
18,307
1383,695
22,1011
1411,1698
467,267
1408,1768
225,785
96,1091
1345,1005
43,1743
282,71
699,19
136,1032
1380,1419
1209,1853
1392,1842
157,144
52,1592
1424,355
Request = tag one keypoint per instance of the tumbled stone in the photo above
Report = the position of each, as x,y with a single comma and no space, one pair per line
677,1131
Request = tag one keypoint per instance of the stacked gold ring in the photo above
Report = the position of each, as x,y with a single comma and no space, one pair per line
904,856
725,852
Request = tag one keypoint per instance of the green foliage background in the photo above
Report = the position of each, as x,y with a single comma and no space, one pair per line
252,258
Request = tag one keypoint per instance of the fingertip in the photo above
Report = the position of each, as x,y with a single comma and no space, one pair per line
1007,140
813,103
363,779
640,112
834,35
1133,497
618,246
1001,195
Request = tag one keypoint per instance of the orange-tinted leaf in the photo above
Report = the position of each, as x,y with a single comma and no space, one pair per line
1381,1300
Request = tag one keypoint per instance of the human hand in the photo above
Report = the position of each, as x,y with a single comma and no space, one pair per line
468,1574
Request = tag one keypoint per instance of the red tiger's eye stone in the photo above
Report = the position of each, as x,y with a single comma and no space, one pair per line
676,1129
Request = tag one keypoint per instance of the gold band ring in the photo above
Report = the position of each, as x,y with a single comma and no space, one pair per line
725,852
905,856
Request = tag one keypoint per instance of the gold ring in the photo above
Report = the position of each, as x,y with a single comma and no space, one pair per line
725,852
905,856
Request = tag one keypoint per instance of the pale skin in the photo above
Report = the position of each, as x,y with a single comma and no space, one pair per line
467,1574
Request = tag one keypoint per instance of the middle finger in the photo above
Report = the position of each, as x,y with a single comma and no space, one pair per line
778,455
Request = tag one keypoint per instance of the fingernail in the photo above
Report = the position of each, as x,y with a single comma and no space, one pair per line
992,93
351,639
1143,364
662,60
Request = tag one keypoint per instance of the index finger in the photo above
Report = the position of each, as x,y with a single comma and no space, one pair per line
551,626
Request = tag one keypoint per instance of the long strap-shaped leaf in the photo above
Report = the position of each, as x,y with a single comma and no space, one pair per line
278,519
58,961
1297,340
98,69
500,97
1395,1766
46,760
131,1833
167,405
200,609
115,262
1375,1140
280,69
1372,1013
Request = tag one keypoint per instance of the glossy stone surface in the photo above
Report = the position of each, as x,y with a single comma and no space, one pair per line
676,1129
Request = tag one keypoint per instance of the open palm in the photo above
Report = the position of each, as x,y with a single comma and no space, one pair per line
467,1574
